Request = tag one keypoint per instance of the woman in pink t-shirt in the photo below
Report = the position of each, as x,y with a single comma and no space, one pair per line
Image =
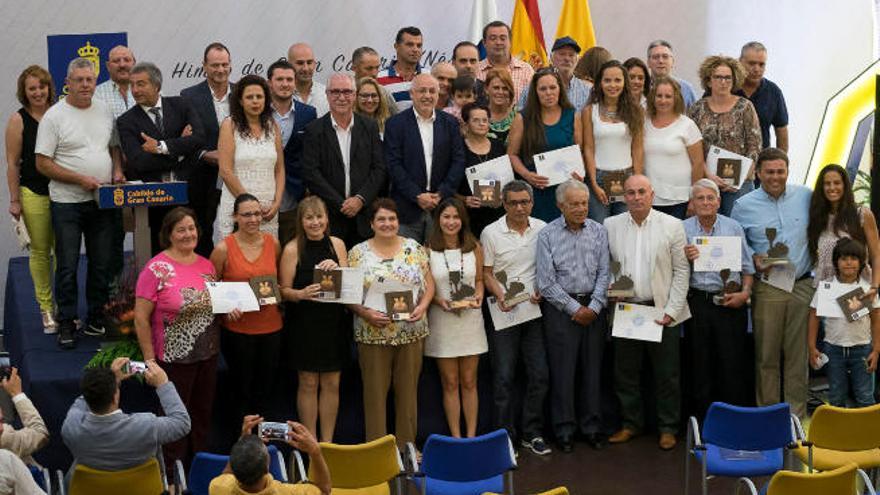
175,325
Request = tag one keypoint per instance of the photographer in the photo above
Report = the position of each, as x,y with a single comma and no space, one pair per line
33,435
101,436
248,468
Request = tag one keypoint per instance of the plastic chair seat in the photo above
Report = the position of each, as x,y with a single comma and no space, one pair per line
721,462
442,487
828,459
145,479
380,489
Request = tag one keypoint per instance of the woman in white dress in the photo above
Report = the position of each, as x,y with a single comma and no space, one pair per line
250,154
457,335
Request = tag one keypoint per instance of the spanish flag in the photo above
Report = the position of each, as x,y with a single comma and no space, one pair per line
527,37
575,22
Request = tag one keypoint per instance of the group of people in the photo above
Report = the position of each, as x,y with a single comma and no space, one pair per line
368,172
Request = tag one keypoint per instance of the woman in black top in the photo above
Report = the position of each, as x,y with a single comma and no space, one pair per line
28,189
317,335
479,148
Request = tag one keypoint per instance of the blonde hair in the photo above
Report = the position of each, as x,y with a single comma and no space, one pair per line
382,112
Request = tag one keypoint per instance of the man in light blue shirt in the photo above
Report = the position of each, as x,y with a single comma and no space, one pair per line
564,58
718,332
780,315
661,60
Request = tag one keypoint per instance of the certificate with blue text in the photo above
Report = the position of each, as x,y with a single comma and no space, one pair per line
637,322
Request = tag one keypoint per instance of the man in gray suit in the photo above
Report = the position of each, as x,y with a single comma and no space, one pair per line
101,436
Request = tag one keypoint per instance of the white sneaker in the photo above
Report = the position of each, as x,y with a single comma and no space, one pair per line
50,326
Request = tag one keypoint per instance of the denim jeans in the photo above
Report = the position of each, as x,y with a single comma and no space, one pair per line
728,198
526,340
74,222
851,361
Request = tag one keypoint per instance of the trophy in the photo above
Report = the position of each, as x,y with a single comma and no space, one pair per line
729,287
622,286
778,252
461,294
514,293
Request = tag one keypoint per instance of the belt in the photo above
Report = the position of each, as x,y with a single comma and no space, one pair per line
701,294
580,297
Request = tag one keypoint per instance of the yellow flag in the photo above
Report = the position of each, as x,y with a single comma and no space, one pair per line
527,35
575,22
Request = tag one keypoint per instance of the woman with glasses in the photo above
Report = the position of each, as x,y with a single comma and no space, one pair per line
548,122
370,102
478,148
727,121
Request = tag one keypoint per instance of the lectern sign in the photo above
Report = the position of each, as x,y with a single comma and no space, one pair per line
141,194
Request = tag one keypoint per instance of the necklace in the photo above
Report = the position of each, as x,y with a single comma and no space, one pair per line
608,114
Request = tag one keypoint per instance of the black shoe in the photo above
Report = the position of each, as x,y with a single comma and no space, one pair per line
565,445
96,327
596,440
66,330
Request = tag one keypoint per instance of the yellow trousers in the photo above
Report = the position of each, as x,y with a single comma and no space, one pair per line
38,219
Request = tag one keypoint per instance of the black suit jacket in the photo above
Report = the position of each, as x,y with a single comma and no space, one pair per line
406,160
324,169
303,115
202,100
182,156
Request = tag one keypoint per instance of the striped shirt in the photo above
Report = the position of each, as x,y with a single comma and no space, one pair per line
521,73
573,262
723,227
397,85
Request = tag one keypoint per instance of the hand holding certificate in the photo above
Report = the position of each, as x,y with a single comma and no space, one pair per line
557,165
344,285
229,296
375,296
498,169
718,253
520,313
637,322
732,168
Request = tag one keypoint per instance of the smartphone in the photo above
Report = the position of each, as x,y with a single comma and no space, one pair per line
274,431
137,367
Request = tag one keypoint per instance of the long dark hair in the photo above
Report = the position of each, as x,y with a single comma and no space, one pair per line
629,111
466,240
241,198
236,111
846,219
533,124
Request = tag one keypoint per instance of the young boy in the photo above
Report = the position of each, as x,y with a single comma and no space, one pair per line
462,94
851,347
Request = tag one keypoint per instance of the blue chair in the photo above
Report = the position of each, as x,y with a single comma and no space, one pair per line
41,478
206,466
467,466
739,441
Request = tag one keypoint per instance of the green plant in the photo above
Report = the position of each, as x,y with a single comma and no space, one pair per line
127,347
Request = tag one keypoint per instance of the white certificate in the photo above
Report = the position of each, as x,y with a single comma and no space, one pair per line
227,296
734,167
557,165
637,322
780,276
498,169
521,313
351,290
827,294
375,296
718,253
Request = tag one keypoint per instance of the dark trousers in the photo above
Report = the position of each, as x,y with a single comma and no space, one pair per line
526,340
720,366
73,222
346,229
664,360
253,363
156,214
678,210
195,383
572,348
203,199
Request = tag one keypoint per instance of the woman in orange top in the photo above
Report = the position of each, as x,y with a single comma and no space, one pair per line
251,341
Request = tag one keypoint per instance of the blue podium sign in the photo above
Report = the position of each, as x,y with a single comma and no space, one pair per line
144,194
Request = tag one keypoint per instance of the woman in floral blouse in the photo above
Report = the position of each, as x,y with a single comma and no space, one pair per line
390,350
175,325
727,121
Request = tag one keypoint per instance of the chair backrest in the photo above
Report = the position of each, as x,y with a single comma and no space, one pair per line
145,479
838,428
362,465
841,481
205,467
276,464
559,490
468,459
747,428
39,476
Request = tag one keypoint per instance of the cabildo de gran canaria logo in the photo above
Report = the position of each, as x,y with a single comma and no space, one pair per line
118,196
95,47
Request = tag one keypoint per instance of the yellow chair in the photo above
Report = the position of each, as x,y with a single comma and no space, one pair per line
840,481
145,479
559,490
363,469
839,436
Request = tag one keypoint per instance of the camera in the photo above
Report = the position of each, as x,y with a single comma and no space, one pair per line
274,431
138,367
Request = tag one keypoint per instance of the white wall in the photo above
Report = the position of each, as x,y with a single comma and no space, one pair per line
815,46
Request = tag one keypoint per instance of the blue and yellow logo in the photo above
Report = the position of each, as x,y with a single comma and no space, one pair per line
63,48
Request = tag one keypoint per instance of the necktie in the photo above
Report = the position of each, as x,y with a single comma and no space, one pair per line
158,116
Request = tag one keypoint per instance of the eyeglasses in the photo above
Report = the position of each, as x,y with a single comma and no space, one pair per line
368,96
722,78
545,70
336,93
518,202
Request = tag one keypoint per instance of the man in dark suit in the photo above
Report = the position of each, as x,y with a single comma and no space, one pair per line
292,118
342,162
210,99
160,136
425,157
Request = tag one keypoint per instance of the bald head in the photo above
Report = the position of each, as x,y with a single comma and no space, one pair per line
445,73
120,60
638,195
301,56
425,93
